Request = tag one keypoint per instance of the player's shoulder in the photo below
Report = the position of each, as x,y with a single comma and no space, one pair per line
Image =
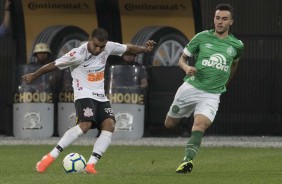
111,44
78,52
203,33
236,41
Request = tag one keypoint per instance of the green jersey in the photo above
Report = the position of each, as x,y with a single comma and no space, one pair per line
213,60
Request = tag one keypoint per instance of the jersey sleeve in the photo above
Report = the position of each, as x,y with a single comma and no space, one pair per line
193,46
69,59
116,48
240,50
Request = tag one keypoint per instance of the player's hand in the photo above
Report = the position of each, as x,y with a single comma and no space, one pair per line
150,45
28,77
190,70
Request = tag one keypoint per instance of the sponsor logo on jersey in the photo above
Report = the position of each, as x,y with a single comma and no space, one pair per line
217,61
100,95
94,77
96,70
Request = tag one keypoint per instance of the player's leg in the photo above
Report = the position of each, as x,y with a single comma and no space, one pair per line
84,124
204,115
201,123
68,138
182,106
104,140
171,122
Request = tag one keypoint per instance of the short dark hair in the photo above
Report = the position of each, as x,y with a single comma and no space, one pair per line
225,7
100,34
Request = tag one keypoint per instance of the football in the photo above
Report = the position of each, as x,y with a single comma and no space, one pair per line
74,163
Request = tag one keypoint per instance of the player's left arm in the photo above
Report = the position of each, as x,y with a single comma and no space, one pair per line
232,70
136,49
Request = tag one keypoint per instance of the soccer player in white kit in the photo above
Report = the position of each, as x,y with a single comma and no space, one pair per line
93,109
216,54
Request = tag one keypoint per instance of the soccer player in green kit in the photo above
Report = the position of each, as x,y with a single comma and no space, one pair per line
216,54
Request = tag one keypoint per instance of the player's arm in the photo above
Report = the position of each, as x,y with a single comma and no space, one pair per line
183,63
44,69
232,70
136,49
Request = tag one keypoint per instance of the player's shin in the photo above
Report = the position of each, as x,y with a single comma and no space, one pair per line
69,137
100,146
193,145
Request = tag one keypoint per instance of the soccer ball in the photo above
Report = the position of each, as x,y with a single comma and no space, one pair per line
74,163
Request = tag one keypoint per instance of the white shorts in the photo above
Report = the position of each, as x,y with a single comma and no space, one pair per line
189,99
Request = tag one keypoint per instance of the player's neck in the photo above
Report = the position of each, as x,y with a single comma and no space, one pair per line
221,35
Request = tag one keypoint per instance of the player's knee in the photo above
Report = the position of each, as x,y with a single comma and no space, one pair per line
85,126
170,122
108,125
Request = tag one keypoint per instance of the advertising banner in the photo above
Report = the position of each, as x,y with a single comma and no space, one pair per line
41,14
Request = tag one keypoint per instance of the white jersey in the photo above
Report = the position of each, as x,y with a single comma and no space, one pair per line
87,70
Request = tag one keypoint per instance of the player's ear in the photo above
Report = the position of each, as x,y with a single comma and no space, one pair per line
231,22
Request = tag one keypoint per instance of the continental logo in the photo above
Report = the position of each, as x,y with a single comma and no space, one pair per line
57,5
128,98
153,6
28,97
217,61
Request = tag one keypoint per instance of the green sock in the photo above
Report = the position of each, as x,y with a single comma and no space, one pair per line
193,145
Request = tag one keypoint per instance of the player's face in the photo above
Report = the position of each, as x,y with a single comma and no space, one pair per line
222,21
95,47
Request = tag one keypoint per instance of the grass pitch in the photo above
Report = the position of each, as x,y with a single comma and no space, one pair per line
146,165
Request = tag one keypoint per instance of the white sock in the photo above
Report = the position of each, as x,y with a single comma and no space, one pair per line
100,146
69,137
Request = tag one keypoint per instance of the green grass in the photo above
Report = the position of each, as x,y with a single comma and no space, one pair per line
146,165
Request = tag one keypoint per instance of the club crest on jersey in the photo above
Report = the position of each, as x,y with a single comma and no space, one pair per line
88,112
217,61
231,51
103,57
72,53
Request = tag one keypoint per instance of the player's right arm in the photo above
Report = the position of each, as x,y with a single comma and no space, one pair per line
188,53
44,69
189,70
